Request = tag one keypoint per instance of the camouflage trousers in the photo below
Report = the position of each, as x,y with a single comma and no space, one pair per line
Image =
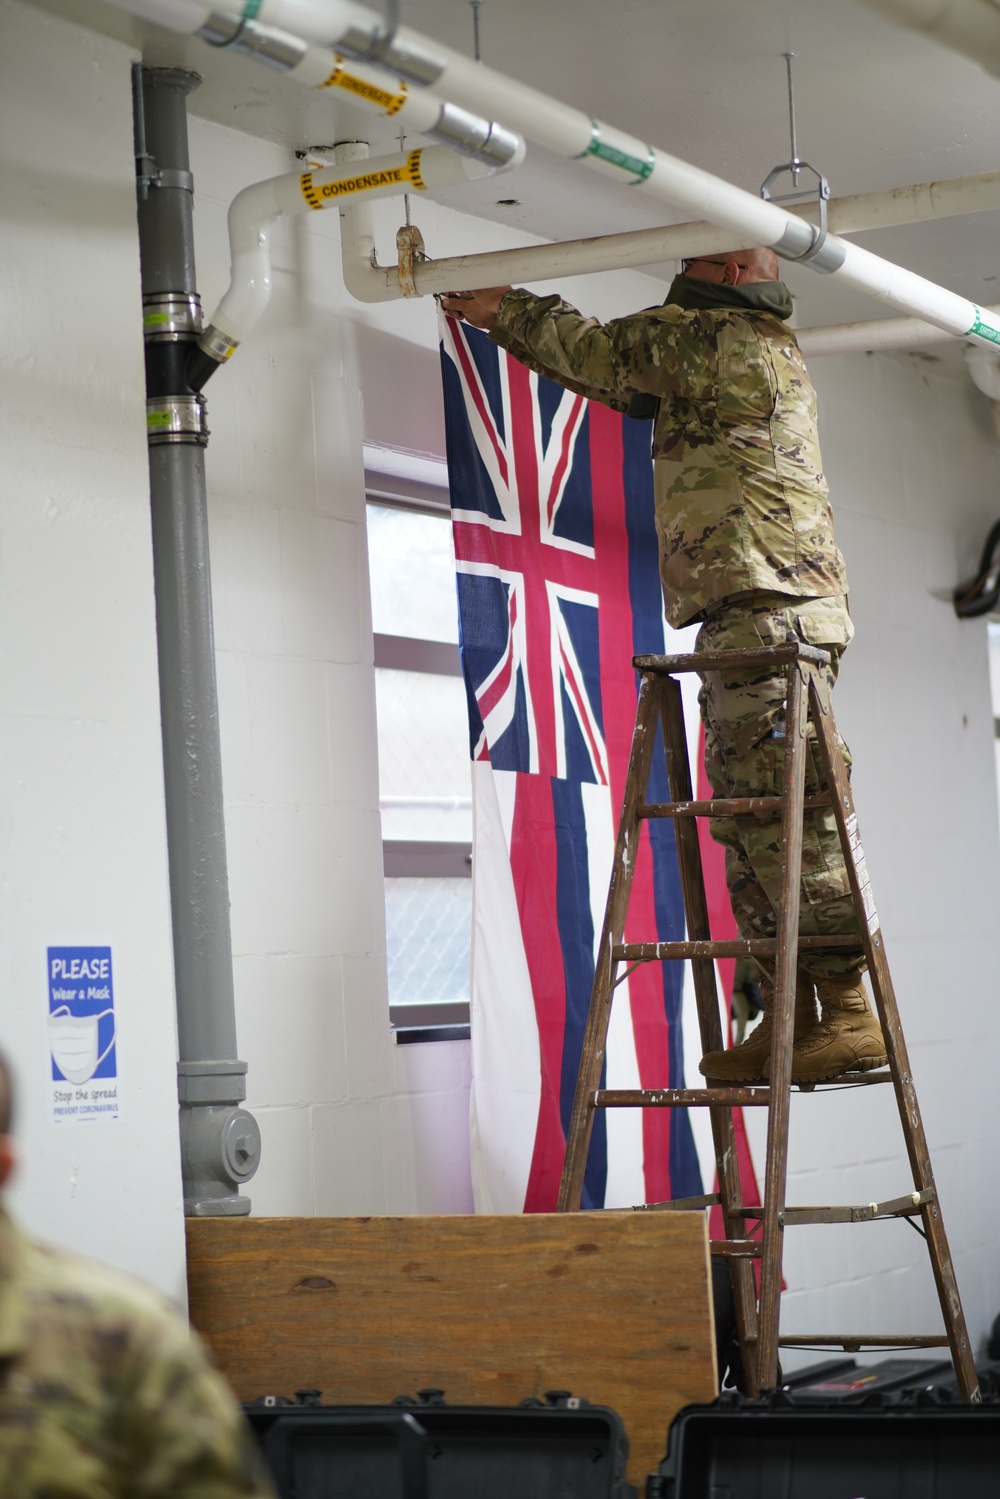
744,756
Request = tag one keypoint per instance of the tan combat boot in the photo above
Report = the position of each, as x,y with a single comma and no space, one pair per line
747,1063
847,1039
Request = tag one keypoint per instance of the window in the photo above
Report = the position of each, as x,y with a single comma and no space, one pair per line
425,789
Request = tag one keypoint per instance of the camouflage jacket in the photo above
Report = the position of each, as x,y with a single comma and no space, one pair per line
741,500
103,1392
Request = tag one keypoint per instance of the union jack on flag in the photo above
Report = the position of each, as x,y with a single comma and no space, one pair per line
558,586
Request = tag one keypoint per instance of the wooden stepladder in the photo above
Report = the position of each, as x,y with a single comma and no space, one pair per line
756,1233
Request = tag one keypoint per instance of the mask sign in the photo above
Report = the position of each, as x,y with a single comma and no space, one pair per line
81,1032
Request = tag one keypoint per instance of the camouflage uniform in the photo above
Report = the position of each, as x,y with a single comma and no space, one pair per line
103,1392
746,538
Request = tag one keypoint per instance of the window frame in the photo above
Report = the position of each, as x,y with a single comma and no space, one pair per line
444,1020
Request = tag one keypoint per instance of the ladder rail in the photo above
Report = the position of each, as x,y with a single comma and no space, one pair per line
707,998
899,1062
786,972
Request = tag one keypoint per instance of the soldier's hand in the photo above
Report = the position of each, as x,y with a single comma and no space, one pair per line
476,307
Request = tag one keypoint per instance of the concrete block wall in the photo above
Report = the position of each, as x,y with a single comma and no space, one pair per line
910,452
83,845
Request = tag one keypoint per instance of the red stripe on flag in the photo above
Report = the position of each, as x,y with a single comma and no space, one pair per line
723,926
533,861
618,699
583,717
563,463
472,385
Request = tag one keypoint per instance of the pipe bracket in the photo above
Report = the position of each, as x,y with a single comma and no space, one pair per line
276,49
174,177
421,68
410,249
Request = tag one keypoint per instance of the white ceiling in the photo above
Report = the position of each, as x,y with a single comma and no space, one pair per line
877,107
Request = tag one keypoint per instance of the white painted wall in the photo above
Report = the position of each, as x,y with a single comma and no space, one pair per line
910,451
82,847
351,1124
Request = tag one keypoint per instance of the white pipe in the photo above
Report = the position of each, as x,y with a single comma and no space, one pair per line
871,337
319,67
971,27
355,31
370,282
253,212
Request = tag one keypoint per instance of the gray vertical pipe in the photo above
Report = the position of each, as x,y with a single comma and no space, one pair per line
220,1141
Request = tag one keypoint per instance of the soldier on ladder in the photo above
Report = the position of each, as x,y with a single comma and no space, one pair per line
747,548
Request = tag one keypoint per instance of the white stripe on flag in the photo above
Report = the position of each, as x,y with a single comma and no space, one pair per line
626,1185
506,1060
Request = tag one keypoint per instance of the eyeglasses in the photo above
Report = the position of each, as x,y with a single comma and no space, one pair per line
707,260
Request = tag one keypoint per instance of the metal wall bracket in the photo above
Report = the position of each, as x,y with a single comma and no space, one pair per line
410,249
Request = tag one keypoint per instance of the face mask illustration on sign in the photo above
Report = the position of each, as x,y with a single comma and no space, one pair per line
73,1041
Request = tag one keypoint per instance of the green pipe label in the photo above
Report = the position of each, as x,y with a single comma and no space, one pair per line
616,158
979,329
156,317
157,418
621,159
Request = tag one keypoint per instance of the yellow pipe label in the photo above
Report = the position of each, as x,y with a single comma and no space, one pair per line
388,102
408,175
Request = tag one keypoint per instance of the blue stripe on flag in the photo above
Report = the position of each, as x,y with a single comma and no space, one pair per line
467,477
576,937
648,638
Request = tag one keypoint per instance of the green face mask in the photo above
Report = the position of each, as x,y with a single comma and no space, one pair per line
758,296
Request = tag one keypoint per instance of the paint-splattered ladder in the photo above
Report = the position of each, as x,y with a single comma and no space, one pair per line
756,1233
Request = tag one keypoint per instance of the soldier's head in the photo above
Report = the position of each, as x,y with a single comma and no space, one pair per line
733,267
6,1121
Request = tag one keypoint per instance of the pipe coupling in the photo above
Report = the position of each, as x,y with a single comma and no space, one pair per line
217,1081
804,243
412,63
474,136
276,48
217,345
171,317
173,419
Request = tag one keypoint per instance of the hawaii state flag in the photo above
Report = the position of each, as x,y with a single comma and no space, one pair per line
558,587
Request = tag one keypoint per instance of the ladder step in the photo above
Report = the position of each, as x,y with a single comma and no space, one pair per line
854,1343
743,662
736,947
680,1098
735,1095
745,806
896,1207
680,1204
734,1249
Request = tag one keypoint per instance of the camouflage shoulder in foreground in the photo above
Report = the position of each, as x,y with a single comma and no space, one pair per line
741,499
106,1393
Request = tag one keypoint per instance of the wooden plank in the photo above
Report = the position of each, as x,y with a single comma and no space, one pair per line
612,1306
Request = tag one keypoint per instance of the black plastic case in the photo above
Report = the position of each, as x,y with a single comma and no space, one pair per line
561,1448
887,1448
